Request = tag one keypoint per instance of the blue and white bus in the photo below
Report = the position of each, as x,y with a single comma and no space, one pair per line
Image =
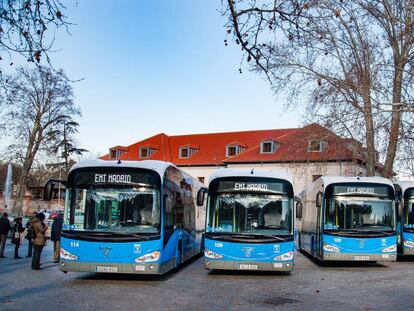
405,193
250,221
348,219
130,217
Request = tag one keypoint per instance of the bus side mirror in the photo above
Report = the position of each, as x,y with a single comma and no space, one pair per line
200,196
47,193
48,188
319,199
299,208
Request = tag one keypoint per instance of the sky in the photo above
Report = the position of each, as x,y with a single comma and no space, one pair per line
148,67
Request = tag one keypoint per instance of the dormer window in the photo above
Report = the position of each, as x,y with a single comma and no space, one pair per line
232,150
146,152
116,152
268,146
317,145
187,151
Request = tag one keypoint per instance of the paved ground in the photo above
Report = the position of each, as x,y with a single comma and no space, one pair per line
309,287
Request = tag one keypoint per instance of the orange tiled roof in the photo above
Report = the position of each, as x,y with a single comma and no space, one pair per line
292,147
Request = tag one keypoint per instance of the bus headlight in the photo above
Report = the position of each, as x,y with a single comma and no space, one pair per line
66,255
390,249
210,254
284,257
330,248
154,256
408,243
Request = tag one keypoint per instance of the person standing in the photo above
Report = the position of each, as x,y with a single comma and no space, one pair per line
30,235
4,230
16,239
55,236
39,240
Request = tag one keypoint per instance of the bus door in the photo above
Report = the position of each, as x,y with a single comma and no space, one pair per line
319,200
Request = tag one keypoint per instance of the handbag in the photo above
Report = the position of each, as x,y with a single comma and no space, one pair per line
16,238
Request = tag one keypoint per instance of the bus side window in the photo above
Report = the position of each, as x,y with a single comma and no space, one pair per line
169,218
299,208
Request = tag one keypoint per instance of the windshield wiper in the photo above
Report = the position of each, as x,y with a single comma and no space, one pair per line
252,236
387,232
364,232
115,234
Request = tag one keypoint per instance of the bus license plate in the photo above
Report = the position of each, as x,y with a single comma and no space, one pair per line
248,267
106,269
361,257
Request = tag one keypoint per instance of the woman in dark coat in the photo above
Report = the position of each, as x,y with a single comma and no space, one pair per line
18,230
55,236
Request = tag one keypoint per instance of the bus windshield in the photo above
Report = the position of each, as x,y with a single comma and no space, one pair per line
409,213
359,213
128,209
250,213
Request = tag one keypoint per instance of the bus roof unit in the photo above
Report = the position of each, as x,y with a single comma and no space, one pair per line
327,180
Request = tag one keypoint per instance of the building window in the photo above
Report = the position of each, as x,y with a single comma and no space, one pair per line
146,152
268,146
113,154
317,145
143,153
201,179
184,153
231,151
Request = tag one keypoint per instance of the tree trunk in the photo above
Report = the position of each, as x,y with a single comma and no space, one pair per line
31,151
395,123
370,138
21,189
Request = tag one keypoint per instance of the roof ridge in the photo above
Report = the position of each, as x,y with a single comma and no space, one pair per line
287,134
235,132
148,138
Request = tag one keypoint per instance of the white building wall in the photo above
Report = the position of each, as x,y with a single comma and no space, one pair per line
199,171
302,173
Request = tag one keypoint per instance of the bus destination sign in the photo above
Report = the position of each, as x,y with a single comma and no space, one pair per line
113,178
366,190
232,186
363,190
409,193
100,177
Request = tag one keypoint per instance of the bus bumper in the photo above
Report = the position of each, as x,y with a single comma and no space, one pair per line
247,265
109,267
359,257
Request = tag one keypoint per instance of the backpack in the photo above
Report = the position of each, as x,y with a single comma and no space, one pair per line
31,234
